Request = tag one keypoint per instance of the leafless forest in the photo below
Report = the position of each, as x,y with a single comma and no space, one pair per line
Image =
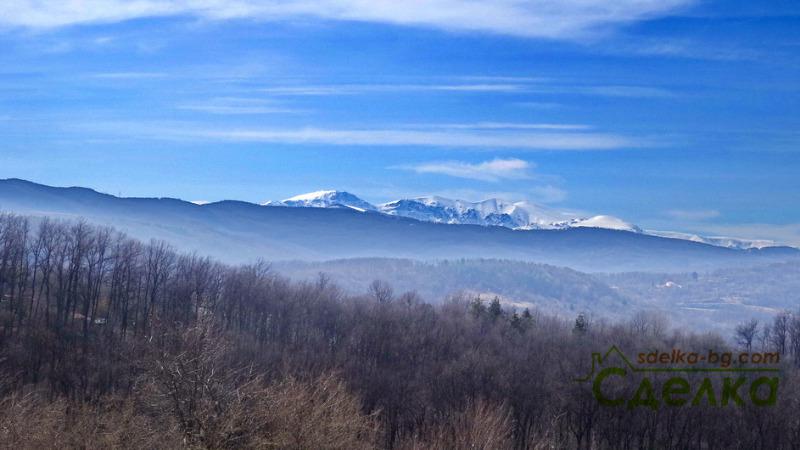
109,342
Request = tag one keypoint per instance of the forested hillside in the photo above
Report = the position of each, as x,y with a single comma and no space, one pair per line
551,289
106,341
701,301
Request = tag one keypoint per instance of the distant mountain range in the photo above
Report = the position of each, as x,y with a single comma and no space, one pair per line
496,212
492,212
347,227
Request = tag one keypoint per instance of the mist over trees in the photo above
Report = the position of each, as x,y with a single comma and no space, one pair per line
715,301
106,341
705,300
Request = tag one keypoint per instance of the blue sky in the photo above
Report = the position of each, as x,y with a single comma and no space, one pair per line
672,114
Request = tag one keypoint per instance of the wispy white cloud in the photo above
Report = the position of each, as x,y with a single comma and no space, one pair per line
377,137
512,126
312,90
548,194
620,91
565,19
353,89
693,215
502,79
486,87
103,40
539,105
534,87
396,137
127,75
237,106
494,170
683,48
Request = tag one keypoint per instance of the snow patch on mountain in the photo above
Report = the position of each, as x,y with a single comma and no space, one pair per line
608,222
719,241
325,199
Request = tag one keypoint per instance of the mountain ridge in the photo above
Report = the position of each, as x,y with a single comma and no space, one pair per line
521,215
236,231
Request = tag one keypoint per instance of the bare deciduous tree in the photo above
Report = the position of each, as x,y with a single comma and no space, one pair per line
746,332
381,291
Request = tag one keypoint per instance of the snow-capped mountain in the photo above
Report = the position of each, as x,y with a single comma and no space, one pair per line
491,212
495,212
719,241
325,199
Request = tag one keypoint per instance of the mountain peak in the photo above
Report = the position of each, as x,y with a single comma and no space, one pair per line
608,222
325,199
310,196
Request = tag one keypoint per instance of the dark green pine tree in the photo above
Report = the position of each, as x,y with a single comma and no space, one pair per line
581,325
526,315
516,322
477,308
495,310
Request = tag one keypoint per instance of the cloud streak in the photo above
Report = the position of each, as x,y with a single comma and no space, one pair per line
128,75
540,87
494,170
374,137
693,215
395,137
354,89
237,106
499,126
565,19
